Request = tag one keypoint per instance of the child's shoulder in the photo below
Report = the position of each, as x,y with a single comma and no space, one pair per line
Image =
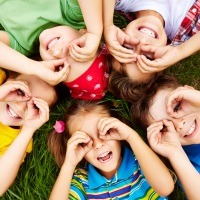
81,173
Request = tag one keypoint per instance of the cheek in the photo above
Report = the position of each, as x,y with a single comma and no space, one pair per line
89,157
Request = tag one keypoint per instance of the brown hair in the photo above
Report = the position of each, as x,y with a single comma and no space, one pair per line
121,86
140,109
57,142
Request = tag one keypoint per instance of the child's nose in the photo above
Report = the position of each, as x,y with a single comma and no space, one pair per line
57,52
98,143
179,123
21,106
143,41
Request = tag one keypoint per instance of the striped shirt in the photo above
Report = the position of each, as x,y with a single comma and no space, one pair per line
189,26
128,182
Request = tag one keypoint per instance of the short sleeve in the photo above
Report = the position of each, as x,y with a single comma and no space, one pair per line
77,190
16,46
2,76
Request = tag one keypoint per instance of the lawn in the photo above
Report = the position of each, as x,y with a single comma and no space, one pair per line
39,171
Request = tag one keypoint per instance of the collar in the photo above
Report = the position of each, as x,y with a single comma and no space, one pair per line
10,129
95,179
192,149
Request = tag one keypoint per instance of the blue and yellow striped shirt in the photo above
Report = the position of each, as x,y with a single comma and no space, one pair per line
128,183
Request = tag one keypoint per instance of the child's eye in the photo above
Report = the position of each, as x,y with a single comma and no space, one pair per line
35,107
148,57
20,93
164,129
177,107
127,47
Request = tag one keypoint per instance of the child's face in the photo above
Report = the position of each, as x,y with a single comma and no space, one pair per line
104,155
187,124
54,42
149,30
13,113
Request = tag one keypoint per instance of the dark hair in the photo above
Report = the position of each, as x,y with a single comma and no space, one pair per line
57,142
139,110
121,86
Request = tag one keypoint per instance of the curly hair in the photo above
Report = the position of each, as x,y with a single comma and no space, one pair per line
121,86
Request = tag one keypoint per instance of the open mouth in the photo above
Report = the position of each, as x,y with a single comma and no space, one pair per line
191,130
148,31
105,157
52,42
12,113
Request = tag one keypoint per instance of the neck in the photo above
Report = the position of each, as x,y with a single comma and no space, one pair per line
144,13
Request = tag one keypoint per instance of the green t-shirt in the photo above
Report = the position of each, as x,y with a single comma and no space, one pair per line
24,20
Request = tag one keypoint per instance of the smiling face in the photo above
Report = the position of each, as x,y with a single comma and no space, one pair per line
13,113
54,42
188,121
149,30
104,155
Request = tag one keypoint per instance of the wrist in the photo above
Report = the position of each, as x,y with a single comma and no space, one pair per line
29,129
176,155
68,166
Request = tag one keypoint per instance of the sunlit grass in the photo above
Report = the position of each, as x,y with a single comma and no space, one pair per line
39,171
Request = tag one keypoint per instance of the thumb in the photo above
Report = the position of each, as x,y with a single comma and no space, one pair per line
169,125
58,62
148,48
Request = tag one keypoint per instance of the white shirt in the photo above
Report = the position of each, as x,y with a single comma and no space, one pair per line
172,11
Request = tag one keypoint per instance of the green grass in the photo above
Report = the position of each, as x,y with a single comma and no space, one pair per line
39,171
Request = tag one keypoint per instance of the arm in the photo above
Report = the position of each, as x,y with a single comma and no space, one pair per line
74,154
11,160
167,144
115,37
46,70
167,56
85,48
111,128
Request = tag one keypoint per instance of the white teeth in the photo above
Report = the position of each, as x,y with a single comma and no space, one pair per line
191,129
104,154
53,42
148,31
12,113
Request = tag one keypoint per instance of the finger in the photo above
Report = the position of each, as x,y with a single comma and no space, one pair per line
79,134
120,50
172,99
78,55
88,146
20,85
160,123
189,87
169,125
148,48
150,63
130,40
63,73
81,140
154,130
105,125
42,107
143,67
58,62
153,136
